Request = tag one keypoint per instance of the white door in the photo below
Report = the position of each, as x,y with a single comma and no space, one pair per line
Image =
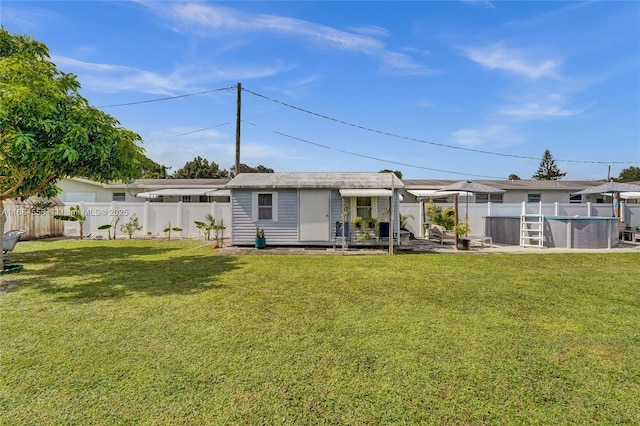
314,215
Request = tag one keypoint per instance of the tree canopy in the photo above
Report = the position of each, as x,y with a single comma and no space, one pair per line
48,131
398,173
248,169
630,174
199,168
548,170
149,169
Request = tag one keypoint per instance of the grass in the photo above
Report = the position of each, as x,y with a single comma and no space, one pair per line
168,332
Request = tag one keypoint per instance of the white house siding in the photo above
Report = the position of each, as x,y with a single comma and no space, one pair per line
73,190
284,231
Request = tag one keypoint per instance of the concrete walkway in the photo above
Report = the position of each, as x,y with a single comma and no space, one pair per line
425,246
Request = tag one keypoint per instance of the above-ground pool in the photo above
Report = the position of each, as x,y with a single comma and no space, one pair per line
558,231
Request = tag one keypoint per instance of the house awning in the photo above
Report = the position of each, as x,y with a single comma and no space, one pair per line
435,193
179,192
365,192
630,195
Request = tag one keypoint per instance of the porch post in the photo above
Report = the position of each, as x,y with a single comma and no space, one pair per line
391,214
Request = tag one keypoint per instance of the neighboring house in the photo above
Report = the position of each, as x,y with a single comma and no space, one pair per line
305,208
516,191
77,190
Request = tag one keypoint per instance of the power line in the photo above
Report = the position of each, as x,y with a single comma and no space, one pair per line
189,133
394,135
383,160
168,98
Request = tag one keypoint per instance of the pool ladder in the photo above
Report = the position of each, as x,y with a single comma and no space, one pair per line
532,230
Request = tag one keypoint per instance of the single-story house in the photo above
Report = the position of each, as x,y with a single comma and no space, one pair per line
76,190
309,208
515,191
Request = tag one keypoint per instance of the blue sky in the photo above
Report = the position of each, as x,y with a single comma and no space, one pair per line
437,90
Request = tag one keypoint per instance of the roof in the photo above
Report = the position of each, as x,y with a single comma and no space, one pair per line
316,180
184,192
524,185
160,183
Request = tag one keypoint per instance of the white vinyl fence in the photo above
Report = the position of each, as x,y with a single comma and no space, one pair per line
630,213
153,217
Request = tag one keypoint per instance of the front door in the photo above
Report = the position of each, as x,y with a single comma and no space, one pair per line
314,215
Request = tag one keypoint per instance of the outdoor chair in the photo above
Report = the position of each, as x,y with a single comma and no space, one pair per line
625,232
9,241
439,234
340,234
383,233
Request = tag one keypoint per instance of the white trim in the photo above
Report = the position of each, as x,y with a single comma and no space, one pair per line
364,192
179,192
353,206
254,206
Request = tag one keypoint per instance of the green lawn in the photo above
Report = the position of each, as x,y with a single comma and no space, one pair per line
168,332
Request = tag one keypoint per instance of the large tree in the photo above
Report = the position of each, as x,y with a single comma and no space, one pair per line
630,174
398,173
248,169
48,131
149,169
548,170
200,168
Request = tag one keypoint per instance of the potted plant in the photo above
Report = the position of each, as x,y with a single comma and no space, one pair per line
357,222
461,230
260,241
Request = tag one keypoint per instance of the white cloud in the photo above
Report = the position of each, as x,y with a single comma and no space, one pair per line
109,78
27,19
484,3
515,61
208,19
494,134
371,30
550,106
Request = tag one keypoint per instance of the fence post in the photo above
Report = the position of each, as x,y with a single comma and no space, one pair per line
145,218
179,214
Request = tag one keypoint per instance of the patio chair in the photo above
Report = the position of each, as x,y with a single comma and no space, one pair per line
439,234
9,241
340,234
383,233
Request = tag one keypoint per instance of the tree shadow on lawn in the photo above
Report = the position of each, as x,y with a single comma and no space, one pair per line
87,274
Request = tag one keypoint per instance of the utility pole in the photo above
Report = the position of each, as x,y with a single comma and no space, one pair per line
238,112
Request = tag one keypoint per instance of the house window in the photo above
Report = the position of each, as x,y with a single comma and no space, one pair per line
186,198
265,206
364,207
534,198
575,198
205,199
119,196
486,198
